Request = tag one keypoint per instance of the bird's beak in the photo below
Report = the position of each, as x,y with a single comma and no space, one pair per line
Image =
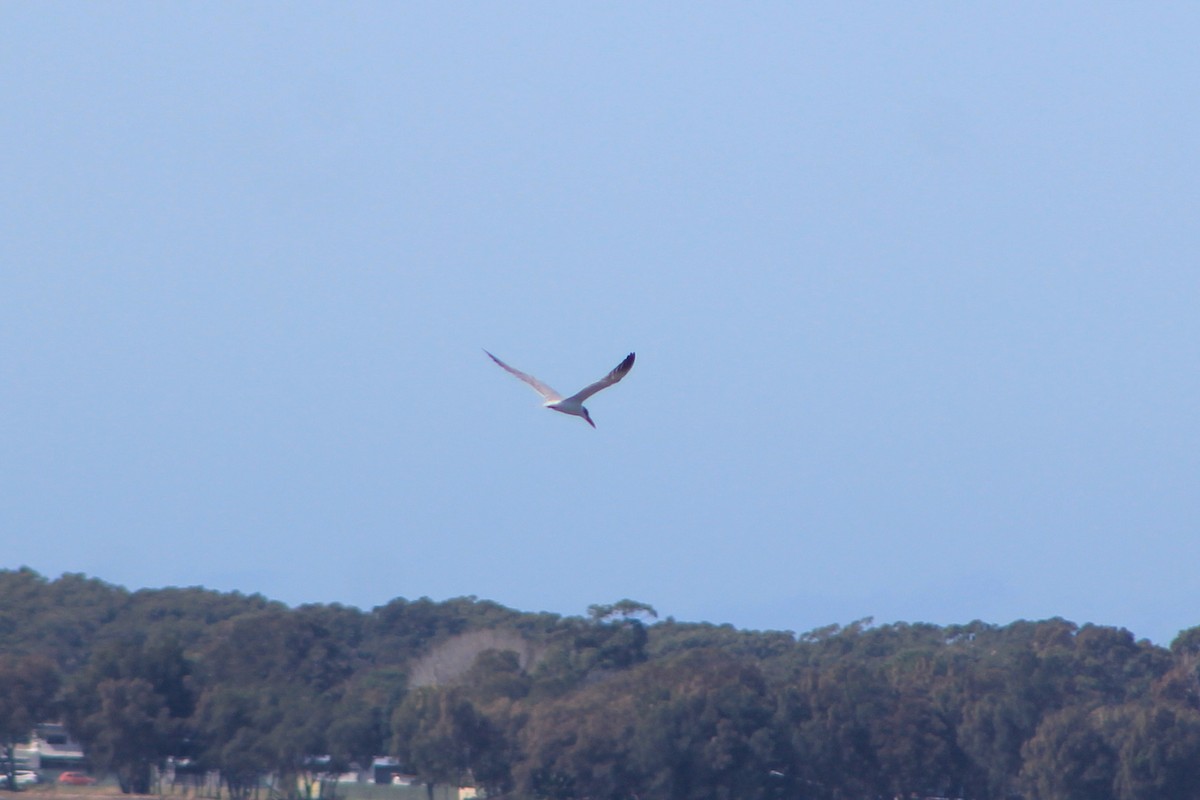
589,421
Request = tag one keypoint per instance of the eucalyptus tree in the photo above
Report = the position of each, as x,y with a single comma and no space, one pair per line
27,689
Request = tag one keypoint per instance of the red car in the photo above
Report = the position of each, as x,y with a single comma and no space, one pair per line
76,779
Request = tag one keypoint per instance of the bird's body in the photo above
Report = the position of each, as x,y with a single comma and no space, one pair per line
572,405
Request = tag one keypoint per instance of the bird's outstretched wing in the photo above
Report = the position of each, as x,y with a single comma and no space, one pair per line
608,380
545,391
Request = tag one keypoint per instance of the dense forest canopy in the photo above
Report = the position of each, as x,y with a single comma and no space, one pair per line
603,706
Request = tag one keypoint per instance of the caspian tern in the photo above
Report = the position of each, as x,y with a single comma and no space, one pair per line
574,404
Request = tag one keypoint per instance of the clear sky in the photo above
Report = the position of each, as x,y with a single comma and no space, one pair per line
914,290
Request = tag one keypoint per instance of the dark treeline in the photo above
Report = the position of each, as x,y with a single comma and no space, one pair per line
603,706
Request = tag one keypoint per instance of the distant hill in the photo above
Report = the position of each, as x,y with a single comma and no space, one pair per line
469,692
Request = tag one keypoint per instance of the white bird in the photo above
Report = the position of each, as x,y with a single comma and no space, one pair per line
574,404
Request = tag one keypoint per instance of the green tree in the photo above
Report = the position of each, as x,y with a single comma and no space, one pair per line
441,736
27,688
831,729
1158,751
495,675
914,742
998,713
1187,641
251,731
360,727
699,726
579,744
705,730
622,610
59,619
1069,758
127,731
131,707
230,737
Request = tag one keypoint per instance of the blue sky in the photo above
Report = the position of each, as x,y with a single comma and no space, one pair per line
913,290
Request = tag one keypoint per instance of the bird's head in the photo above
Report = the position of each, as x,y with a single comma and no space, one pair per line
588,417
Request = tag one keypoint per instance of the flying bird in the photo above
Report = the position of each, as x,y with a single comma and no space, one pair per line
574,404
